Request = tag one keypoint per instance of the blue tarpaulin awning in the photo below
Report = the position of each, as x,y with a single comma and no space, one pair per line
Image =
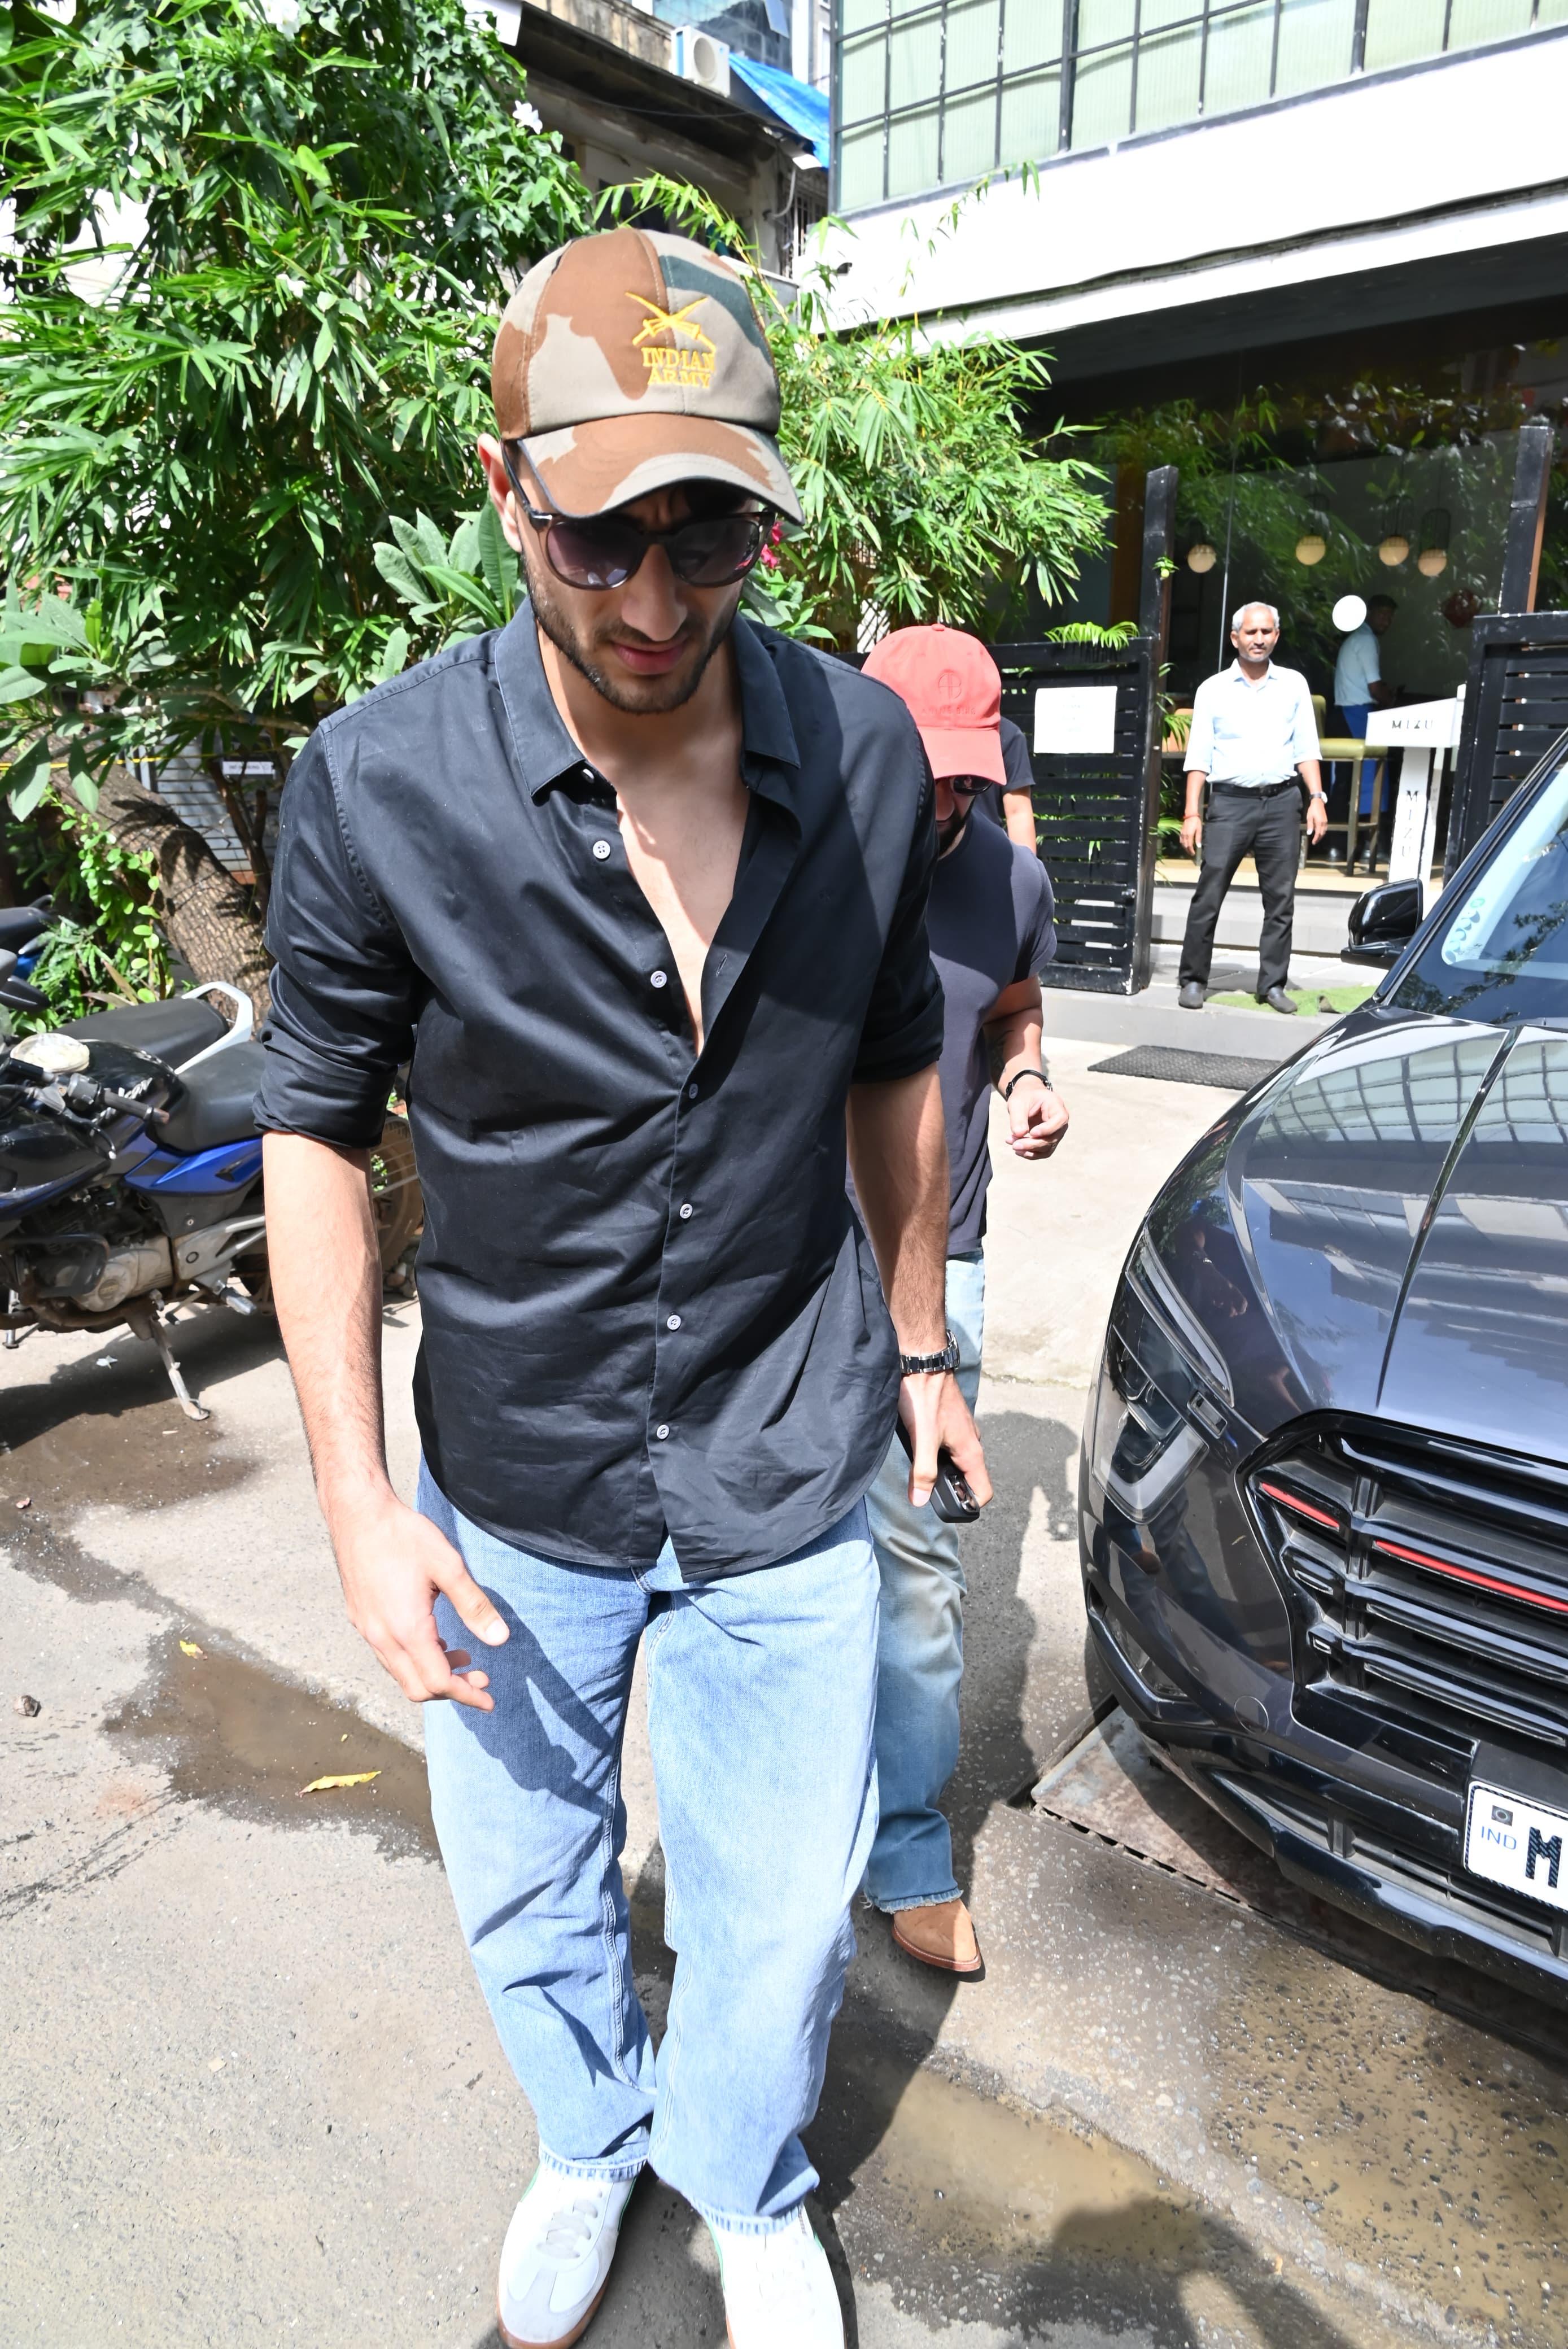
798,106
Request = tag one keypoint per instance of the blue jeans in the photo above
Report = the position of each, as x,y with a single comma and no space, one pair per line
760,1696
919,1660
1355,714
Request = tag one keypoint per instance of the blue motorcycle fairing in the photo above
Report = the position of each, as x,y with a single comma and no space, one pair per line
233,1166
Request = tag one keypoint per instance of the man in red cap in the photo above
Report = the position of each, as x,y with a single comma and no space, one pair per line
989,921
641,890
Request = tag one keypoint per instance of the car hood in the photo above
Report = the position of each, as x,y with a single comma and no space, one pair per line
1397,1200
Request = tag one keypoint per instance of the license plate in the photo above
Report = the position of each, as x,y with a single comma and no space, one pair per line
1520,1844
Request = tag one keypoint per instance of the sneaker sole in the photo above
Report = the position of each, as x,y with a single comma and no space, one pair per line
563,2341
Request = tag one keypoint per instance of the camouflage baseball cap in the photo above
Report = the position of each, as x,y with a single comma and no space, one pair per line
630,360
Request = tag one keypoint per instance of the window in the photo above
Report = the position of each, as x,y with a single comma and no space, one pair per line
936,93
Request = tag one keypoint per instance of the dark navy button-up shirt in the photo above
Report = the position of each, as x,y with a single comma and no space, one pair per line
647,1306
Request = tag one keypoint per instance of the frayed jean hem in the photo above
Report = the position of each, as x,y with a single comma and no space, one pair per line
913,1901
726,2222
602,2173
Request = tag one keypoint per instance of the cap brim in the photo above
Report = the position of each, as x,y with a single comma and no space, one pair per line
964,751
587,469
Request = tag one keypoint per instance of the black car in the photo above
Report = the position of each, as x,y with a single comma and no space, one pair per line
1323,1492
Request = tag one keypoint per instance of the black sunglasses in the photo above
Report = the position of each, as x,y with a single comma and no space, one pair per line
969,787
606,550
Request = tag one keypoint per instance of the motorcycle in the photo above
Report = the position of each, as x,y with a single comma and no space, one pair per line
130,1169
22,936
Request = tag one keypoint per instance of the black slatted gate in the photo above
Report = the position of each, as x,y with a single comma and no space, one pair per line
1095,812
1516,704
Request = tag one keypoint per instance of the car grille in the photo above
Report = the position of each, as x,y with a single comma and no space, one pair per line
1438,1574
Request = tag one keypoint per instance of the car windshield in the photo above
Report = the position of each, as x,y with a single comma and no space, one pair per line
1503,952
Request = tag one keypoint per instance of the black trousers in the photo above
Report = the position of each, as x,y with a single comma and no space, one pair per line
1245,824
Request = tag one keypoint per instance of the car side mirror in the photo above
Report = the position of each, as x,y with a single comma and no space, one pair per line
1383,922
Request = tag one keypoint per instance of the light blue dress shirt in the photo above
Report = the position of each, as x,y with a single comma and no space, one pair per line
1252,734
1358,668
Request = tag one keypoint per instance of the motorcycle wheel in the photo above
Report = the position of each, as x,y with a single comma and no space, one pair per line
395,1199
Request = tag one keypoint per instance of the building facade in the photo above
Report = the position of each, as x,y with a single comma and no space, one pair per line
1313,252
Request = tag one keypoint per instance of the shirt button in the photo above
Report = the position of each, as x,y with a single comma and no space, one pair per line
661,1430
659,979
601,850
674,1321
691,1092
685,1211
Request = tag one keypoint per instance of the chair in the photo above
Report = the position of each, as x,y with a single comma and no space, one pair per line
1348,750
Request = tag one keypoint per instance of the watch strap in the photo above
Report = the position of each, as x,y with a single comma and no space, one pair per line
917,1366
1017,1079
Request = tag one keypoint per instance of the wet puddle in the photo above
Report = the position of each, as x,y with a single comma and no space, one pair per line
231,1732
970,2208
105,1428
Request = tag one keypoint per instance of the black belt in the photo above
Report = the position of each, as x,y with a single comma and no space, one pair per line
1259,790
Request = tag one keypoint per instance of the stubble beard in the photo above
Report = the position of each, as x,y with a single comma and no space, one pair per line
652,699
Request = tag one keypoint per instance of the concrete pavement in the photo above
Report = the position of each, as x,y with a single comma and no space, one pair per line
248,2091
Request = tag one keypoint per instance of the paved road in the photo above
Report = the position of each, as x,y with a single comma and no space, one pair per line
248,2091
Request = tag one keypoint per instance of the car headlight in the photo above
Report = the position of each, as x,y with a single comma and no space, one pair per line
1159,1365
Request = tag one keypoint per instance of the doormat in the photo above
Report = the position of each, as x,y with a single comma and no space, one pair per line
1174,1067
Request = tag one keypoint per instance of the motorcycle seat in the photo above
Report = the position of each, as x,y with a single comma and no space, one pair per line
172,1031
20,924
218,1103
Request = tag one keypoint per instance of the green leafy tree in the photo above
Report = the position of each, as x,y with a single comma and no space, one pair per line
257,259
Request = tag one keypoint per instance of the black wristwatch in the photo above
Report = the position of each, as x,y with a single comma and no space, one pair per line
1018,1078
917,1366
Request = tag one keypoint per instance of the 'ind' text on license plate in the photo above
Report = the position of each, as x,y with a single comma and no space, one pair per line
1517,1843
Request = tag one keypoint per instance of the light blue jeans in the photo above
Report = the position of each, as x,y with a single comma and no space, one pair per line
921,1649
761,1689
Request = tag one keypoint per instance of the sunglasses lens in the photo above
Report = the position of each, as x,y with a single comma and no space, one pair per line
594,553
716,553
604,553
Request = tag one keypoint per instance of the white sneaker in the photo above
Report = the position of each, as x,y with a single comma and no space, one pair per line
555,2261
778,2291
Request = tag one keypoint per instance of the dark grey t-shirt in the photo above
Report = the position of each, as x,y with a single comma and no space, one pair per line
1019,768
989,923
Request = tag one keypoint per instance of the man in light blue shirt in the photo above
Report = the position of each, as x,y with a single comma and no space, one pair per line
1358,686
1252,745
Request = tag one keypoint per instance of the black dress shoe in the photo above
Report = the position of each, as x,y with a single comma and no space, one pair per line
1190,996
1277,1000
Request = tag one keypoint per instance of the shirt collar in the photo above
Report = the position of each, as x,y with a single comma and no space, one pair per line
1242,678
546,751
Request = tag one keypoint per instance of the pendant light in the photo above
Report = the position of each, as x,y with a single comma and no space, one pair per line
1433,558
1394,547
1202,557
1311,548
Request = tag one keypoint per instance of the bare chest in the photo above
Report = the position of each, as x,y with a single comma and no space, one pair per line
684,855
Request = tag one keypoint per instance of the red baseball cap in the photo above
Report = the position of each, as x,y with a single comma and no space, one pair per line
953,689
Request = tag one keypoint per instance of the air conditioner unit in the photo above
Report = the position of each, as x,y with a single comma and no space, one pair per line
699,58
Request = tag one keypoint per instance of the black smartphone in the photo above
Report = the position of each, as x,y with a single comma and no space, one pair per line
950,1496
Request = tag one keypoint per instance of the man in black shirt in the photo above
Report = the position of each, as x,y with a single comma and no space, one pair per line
641,890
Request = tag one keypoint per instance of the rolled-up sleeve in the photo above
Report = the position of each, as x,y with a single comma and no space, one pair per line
1199,753
343,985
902,1029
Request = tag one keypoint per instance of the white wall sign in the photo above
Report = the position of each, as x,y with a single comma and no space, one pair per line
1075,718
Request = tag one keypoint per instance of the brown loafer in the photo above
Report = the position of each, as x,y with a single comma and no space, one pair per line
939,1934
